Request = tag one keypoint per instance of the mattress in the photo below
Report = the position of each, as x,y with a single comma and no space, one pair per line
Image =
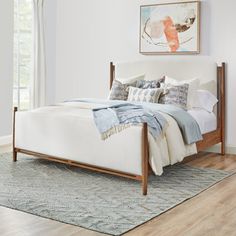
206,120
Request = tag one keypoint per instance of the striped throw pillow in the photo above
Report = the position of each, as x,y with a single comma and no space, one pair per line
144,95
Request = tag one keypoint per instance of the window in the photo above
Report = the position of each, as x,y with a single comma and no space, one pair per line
23,53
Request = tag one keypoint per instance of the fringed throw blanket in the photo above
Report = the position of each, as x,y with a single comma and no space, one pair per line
113,119
113,116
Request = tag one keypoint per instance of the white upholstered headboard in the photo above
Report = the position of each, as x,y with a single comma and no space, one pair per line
183,68
178,68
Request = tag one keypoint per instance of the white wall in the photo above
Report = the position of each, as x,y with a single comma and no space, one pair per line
92,33
89,35
6,66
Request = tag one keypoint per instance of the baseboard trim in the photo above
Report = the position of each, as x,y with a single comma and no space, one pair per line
6,140
217,149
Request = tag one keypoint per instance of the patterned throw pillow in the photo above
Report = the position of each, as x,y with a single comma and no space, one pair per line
120,91
175,95
144,95
146,84
192,89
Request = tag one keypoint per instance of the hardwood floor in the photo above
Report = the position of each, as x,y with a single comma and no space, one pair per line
213,212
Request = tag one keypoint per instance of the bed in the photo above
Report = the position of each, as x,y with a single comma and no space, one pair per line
65,133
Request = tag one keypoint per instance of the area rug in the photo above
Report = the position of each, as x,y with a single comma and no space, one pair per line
95,201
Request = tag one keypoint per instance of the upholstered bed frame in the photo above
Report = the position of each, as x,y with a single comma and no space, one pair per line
208,71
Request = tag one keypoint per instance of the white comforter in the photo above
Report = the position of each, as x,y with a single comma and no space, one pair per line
68,131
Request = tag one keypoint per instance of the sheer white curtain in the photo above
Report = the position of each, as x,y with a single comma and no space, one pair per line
39,62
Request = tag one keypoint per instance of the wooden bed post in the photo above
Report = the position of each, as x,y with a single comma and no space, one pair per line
145,158
222,108
13,135
217,136
112,73
145,152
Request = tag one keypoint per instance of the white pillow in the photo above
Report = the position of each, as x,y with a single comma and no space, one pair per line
205,100
131,79
192,90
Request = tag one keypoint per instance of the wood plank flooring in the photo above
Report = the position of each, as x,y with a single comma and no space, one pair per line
211,213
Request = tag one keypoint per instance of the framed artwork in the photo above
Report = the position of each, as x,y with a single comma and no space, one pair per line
170,28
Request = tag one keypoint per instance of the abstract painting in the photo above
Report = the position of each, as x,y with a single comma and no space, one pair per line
170,28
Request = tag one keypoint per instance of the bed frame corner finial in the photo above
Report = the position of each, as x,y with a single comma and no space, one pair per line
112,73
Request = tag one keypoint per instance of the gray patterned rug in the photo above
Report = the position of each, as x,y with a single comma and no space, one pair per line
95,201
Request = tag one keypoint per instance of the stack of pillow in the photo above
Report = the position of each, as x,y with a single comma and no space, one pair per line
184,94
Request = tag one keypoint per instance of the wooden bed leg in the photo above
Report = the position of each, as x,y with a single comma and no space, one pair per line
13,136
145,159
14,155
223,148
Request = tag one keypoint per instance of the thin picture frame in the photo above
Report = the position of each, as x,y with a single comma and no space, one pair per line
147,45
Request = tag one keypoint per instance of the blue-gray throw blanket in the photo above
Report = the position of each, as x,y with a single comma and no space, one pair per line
106,117
114,118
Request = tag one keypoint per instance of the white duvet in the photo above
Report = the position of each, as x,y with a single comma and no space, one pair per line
68,131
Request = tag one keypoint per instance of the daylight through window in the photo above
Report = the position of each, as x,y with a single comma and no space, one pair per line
23,53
